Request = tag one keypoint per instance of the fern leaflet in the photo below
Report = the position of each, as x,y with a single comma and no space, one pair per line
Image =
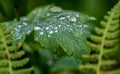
10,57
105,43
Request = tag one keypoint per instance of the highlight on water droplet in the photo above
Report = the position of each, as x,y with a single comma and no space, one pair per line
37,28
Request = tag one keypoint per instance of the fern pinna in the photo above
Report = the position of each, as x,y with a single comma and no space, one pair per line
104,43
10,57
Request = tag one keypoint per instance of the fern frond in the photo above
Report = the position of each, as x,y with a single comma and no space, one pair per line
105,43
10,56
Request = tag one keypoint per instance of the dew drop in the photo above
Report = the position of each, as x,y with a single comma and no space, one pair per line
85,26
59,25
92,18
48,14
51,32
47,28
37,28
56,27
48,35
56,9
19,26
73,19
24,23
56,31
77,15
62,18
41,33
68,16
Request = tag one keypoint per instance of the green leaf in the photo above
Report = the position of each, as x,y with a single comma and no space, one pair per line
65,63
54,27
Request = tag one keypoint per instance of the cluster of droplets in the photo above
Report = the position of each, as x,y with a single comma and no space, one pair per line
20,30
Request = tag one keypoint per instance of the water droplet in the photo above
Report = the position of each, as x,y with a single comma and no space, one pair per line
62,18
51,32
85,25
29,32
19,26
23,19
77,15
68,16
56,9
47,28
48,35
59,25
24,23
37,28
73,19
41,33
92,18
56,31
48,14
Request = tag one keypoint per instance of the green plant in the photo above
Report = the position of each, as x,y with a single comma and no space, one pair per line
10,55
55,42
104,43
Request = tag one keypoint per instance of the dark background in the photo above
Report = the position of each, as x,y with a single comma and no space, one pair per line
97,8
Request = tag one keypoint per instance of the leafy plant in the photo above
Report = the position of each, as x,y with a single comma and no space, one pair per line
104,43
55,42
